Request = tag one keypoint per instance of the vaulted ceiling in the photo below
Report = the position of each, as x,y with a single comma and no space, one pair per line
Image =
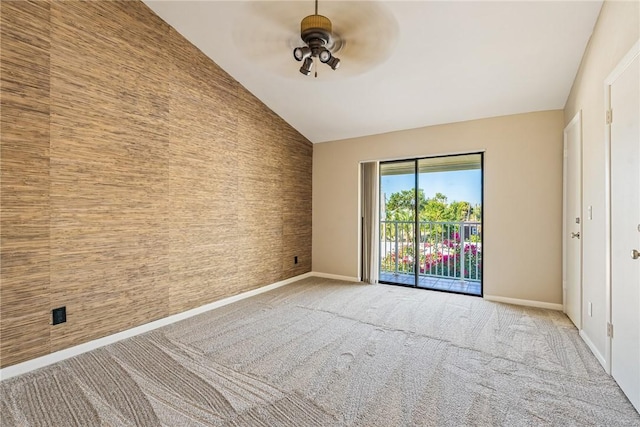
405,64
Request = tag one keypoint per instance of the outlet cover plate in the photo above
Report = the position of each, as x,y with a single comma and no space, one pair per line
59,315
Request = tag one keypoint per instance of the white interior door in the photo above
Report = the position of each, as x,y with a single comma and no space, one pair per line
625,229
572,253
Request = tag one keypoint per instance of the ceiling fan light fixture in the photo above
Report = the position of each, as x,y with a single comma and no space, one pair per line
301,53
324,55
333,62
306,66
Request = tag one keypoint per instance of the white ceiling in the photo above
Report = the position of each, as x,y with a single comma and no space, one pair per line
437,61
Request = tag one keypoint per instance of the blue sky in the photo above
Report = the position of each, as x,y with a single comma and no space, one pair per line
456,185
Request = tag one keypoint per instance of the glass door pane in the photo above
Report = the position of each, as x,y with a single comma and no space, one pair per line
450,223
397,222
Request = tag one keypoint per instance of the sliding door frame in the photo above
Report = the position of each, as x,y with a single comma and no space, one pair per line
416,236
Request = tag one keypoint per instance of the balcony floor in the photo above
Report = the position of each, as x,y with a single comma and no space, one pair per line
434,283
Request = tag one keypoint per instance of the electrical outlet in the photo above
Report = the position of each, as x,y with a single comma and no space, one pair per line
59,315
295,259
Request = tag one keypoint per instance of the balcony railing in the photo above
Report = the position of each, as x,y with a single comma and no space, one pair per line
445,249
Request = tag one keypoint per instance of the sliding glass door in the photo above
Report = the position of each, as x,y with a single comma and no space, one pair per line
431,223
398,222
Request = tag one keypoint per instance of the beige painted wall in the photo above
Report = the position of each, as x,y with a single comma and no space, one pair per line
522,196
616,30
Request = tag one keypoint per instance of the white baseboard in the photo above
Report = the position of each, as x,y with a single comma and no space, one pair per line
593,349
40,362
525,302
335,277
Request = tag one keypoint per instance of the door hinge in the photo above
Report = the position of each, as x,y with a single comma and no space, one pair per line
610,330
609,117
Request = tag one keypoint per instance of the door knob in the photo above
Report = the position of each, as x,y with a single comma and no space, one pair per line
635,254
575,235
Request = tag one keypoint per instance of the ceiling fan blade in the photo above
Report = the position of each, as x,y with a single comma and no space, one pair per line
369,30
268,20
268,31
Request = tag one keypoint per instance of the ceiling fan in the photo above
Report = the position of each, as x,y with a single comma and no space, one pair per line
315,31
362,33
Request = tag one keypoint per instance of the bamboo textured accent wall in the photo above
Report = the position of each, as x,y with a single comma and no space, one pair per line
139,180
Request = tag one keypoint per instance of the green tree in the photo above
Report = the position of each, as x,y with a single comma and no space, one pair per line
435,209
400,205
458,211
476,213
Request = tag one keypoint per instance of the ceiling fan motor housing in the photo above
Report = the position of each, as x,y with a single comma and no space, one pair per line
315,30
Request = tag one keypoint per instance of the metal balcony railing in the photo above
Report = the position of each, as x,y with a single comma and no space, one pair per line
444,249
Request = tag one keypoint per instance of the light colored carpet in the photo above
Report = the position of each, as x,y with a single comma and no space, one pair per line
327,353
